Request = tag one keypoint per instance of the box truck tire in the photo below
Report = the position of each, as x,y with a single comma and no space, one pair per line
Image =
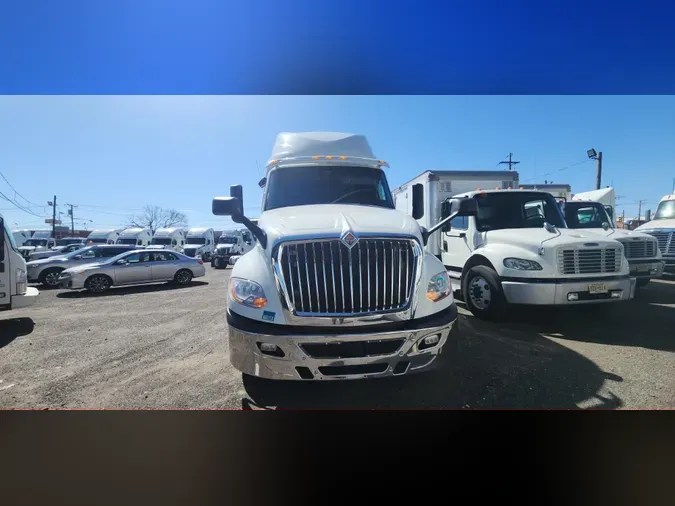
482,292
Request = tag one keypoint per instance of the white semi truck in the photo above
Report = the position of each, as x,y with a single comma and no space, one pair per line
231,243
140,237
21,236
172,238
518,250
662,227
200,243
14,290
338,285
583,212
103,236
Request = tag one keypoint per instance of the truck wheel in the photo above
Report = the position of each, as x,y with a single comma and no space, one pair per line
219,263
50,277
483,293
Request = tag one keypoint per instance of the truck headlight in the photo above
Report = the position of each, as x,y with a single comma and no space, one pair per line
439,287
521,264
248,293
21,282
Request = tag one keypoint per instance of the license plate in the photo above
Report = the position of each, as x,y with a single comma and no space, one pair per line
643,268
597,288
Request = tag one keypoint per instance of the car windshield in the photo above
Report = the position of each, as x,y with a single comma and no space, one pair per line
316,184
666,210
131,241
35,242
78,252
66,242
505,210
586,215
161,240
227,240
195,240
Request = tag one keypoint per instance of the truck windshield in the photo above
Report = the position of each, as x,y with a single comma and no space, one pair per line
310,185
66,242
195,240
131,241
666,210
227,240
504,210
161,240
586,215
101,240
35,242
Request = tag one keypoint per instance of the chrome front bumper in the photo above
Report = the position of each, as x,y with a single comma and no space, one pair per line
646,269
556,293
354,354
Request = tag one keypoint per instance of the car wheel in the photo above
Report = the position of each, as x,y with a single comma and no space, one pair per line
98,283
50,277
183,277
483,293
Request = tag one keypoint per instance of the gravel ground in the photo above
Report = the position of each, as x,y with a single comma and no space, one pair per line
157,346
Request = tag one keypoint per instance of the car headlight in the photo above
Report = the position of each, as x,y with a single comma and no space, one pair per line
439,287
248,293
521,264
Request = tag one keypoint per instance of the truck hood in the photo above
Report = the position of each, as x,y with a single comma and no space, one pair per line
534,238
28,248
615,233
195,246
334,219
656,224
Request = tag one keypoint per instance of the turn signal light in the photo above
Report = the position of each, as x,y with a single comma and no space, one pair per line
259,302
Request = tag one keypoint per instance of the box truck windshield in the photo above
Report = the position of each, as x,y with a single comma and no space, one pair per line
588,215
666,210
309,185
162,241
498,211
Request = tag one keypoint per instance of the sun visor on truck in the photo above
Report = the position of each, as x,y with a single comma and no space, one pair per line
291,145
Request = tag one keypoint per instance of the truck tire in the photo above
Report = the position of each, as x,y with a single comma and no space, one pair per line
483,294
219,263
50,277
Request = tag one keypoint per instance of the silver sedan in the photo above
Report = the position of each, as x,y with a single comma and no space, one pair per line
134,267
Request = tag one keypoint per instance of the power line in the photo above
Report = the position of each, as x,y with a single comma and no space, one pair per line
509,162
556,171
18,206
17,193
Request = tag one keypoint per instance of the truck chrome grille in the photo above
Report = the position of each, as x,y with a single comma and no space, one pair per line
326,278
589,261
642,248
666,241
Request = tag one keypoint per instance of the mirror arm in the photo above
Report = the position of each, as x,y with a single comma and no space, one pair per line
426,233
258,232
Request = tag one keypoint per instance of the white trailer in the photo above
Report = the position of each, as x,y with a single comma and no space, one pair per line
435,187
135,237
605,196
104,236
14,290
200,243
172,238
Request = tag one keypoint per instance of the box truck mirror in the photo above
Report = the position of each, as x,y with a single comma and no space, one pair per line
458,207
417,201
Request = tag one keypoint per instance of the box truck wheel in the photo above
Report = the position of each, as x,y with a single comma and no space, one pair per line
483,292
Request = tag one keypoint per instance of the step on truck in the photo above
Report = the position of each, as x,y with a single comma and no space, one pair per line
662,227
338,285
14,290
517,249
641,250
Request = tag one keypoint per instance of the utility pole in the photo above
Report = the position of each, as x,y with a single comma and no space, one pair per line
640,210
54,217
623,219
510,163
598,176
72,219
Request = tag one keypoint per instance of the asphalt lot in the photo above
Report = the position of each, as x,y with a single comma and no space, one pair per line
158,346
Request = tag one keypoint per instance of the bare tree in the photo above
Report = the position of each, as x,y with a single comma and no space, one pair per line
154,217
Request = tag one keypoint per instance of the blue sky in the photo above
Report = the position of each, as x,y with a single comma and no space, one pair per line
111,155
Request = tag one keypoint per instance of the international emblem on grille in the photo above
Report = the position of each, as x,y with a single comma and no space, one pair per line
349,239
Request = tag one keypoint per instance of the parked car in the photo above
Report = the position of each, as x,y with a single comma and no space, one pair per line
133,267
47,270
56,251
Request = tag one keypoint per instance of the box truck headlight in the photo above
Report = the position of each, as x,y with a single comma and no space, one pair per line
439,287
521,264
248,293
21,282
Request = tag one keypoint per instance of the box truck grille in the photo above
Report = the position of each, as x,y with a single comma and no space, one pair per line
326,278
639,249
589,261
666,241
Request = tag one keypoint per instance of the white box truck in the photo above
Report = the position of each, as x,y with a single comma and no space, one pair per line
103,236
172,238
41,240
140,237
200,243
14,290
338,285
518,250
21,236
641,250
662,227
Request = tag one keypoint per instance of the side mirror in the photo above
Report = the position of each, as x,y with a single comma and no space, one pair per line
458,207
610,211
121,261
605,225
417,201
228,206
445,212
262,182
